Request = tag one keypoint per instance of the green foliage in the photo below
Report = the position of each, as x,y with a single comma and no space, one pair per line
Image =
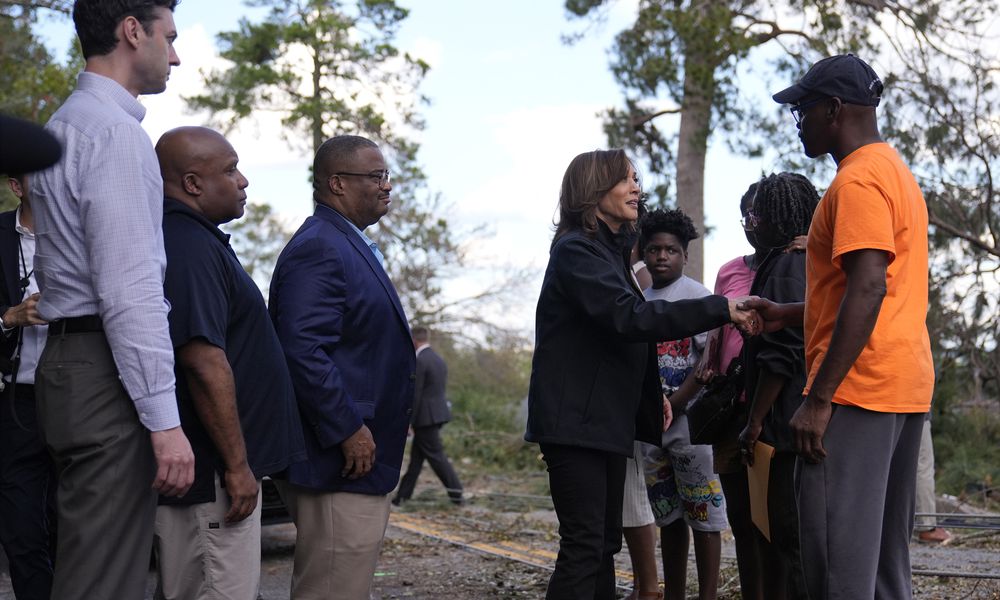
487,386
257,239
967,453
941,116
33,84
329,67
702,59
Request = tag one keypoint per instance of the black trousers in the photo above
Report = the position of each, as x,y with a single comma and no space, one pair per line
27,487
427,446
588,488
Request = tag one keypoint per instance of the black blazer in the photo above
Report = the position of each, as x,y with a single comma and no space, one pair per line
594,381
430,406
10,276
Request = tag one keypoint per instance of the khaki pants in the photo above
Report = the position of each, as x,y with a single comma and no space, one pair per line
339,536
201,557
926,502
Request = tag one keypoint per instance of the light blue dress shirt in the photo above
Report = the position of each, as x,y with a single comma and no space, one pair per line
99,240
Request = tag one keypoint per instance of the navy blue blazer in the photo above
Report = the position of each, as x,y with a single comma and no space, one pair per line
348,347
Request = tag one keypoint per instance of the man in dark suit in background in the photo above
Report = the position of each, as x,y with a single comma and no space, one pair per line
27,475
431,411
348,348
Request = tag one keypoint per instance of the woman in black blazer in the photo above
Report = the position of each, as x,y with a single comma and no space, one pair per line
594,383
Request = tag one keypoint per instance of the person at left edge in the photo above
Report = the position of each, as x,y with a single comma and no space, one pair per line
350,354
27,475
234,394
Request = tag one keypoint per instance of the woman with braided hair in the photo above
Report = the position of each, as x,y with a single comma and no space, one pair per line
775,371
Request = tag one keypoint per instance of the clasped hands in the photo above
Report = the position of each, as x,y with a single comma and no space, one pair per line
744,317
754,315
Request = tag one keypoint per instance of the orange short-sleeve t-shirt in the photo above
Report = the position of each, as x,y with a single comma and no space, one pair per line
873,203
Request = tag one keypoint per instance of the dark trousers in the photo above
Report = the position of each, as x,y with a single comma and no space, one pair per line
782,561
856,507
427,446
588,488
105,501
27,483
736,488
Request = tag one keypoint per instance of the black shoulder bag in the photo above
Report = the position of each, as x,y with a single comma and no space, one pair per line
713,411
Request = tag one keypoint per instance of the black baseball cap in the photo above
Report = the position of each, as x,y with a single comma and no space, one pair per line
26,147
845,76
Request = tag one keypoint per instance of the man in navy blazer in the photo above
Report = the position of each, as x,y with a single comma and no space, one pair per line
349,351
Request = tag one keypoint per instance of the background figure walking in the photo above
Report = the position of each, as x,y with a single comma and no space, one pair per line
431,410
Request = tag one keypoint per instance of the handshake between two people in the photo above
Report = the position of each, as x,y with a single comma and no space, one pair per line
753,315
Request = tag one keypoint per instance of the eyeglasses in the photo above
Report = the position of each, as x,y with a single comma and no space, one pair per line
382,177
798,109
750,222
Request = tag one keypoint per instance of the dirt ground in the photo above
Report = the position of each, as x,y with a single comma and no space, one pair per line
415,566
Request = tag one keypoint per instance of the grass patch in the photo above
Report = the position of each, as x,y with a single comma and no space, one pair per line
967,455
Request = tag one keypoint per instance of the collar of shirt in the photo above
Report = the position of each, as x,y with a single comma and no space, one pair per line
421,348
364,238
99,84
172,206
20,228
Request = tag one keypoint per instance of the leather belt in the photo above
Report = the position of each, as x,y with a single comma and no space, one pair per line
84,324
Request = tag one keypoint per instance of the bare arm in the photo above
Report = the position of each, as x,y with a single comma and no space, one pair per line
859,309
213,391
705,371
683,394
776,316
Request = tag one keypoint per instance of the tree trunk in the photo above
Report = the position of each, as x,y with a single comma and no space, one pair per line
692,145
317,117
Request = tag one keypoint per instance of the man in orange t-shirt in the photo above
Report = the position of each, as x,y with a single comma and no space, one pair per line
870,374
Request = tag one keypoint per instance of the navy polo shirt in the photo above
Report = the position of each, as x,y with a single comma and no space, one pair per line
212,297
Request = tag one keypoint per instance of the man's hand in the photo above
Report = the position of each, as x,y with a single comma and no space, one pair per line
24,314
744,316
704,371
242,487
359,453
808,426
174,462
798,244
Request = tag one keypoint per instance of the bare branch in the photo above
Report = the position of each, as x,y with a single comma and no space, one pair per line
637,121
964,235
775,30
